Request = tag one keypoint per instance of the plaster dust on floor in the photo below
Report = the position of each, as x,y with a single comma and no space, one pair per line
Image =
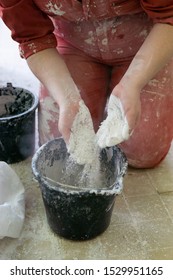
142,221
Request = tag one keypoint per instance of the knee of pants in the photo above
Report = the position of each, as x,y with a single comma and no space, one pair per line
144,157
151,139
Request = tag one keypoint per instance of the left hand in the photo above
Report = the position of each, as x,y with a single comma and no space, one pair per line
130,100
123,115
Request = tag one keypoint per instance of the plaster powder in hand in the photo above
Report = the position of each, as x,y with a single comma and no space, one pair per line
82,143
114,129
84,150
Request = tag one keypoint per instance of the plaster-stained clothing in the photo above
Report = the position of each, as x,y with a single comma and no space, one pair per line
76,21
98,39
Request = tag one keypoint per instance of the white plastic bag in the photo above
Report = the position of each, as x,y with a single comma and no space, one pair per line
12,202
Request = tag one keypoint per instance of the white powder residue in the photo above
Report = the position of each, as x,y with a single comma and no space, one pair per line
55,9
82,143
84,150
115,128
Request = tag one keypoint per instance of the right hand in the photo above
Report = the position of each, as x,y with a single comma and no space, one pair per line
67,115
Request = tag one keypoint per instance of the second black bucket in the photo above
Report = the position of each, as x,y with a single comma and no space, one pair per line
17,123
73,211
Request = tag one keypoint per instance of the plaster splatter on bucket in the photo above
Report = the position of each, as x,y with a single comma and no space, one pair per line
73,210
17,123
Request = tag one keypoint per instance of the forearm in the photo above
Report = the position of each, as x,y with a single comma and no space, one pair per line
50,69
155,52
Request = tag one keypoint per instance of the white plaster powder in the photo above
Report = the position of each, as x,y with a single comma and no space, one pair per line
84,150
82,143
115,128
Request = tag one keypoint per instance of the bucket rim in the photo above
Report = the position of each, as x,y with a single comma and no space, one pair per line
115,188
32,108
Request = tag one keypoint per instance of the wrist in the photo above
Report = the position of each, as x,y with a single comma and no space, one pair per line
68,102
133,81
127,89
65,93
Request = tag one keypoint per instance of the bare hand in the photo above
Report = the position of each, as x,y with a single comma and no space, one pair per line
67,115
130,99
123,114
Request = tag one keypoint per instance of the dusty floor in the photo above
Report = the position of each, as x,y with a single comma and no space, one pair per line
142,221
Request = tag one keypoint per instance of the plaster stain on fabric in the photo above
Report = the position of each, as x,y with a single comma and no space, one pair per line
53,8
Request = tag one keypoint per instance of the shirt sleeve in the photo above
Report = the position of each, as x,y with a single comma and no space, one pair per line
29,26
159,10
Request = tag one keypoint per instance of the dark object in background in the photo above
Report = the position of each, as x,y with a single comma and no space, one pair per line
17,123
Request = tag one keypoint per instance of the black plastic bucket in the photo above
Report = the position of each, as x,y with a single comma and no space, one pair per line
73,211
17,123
